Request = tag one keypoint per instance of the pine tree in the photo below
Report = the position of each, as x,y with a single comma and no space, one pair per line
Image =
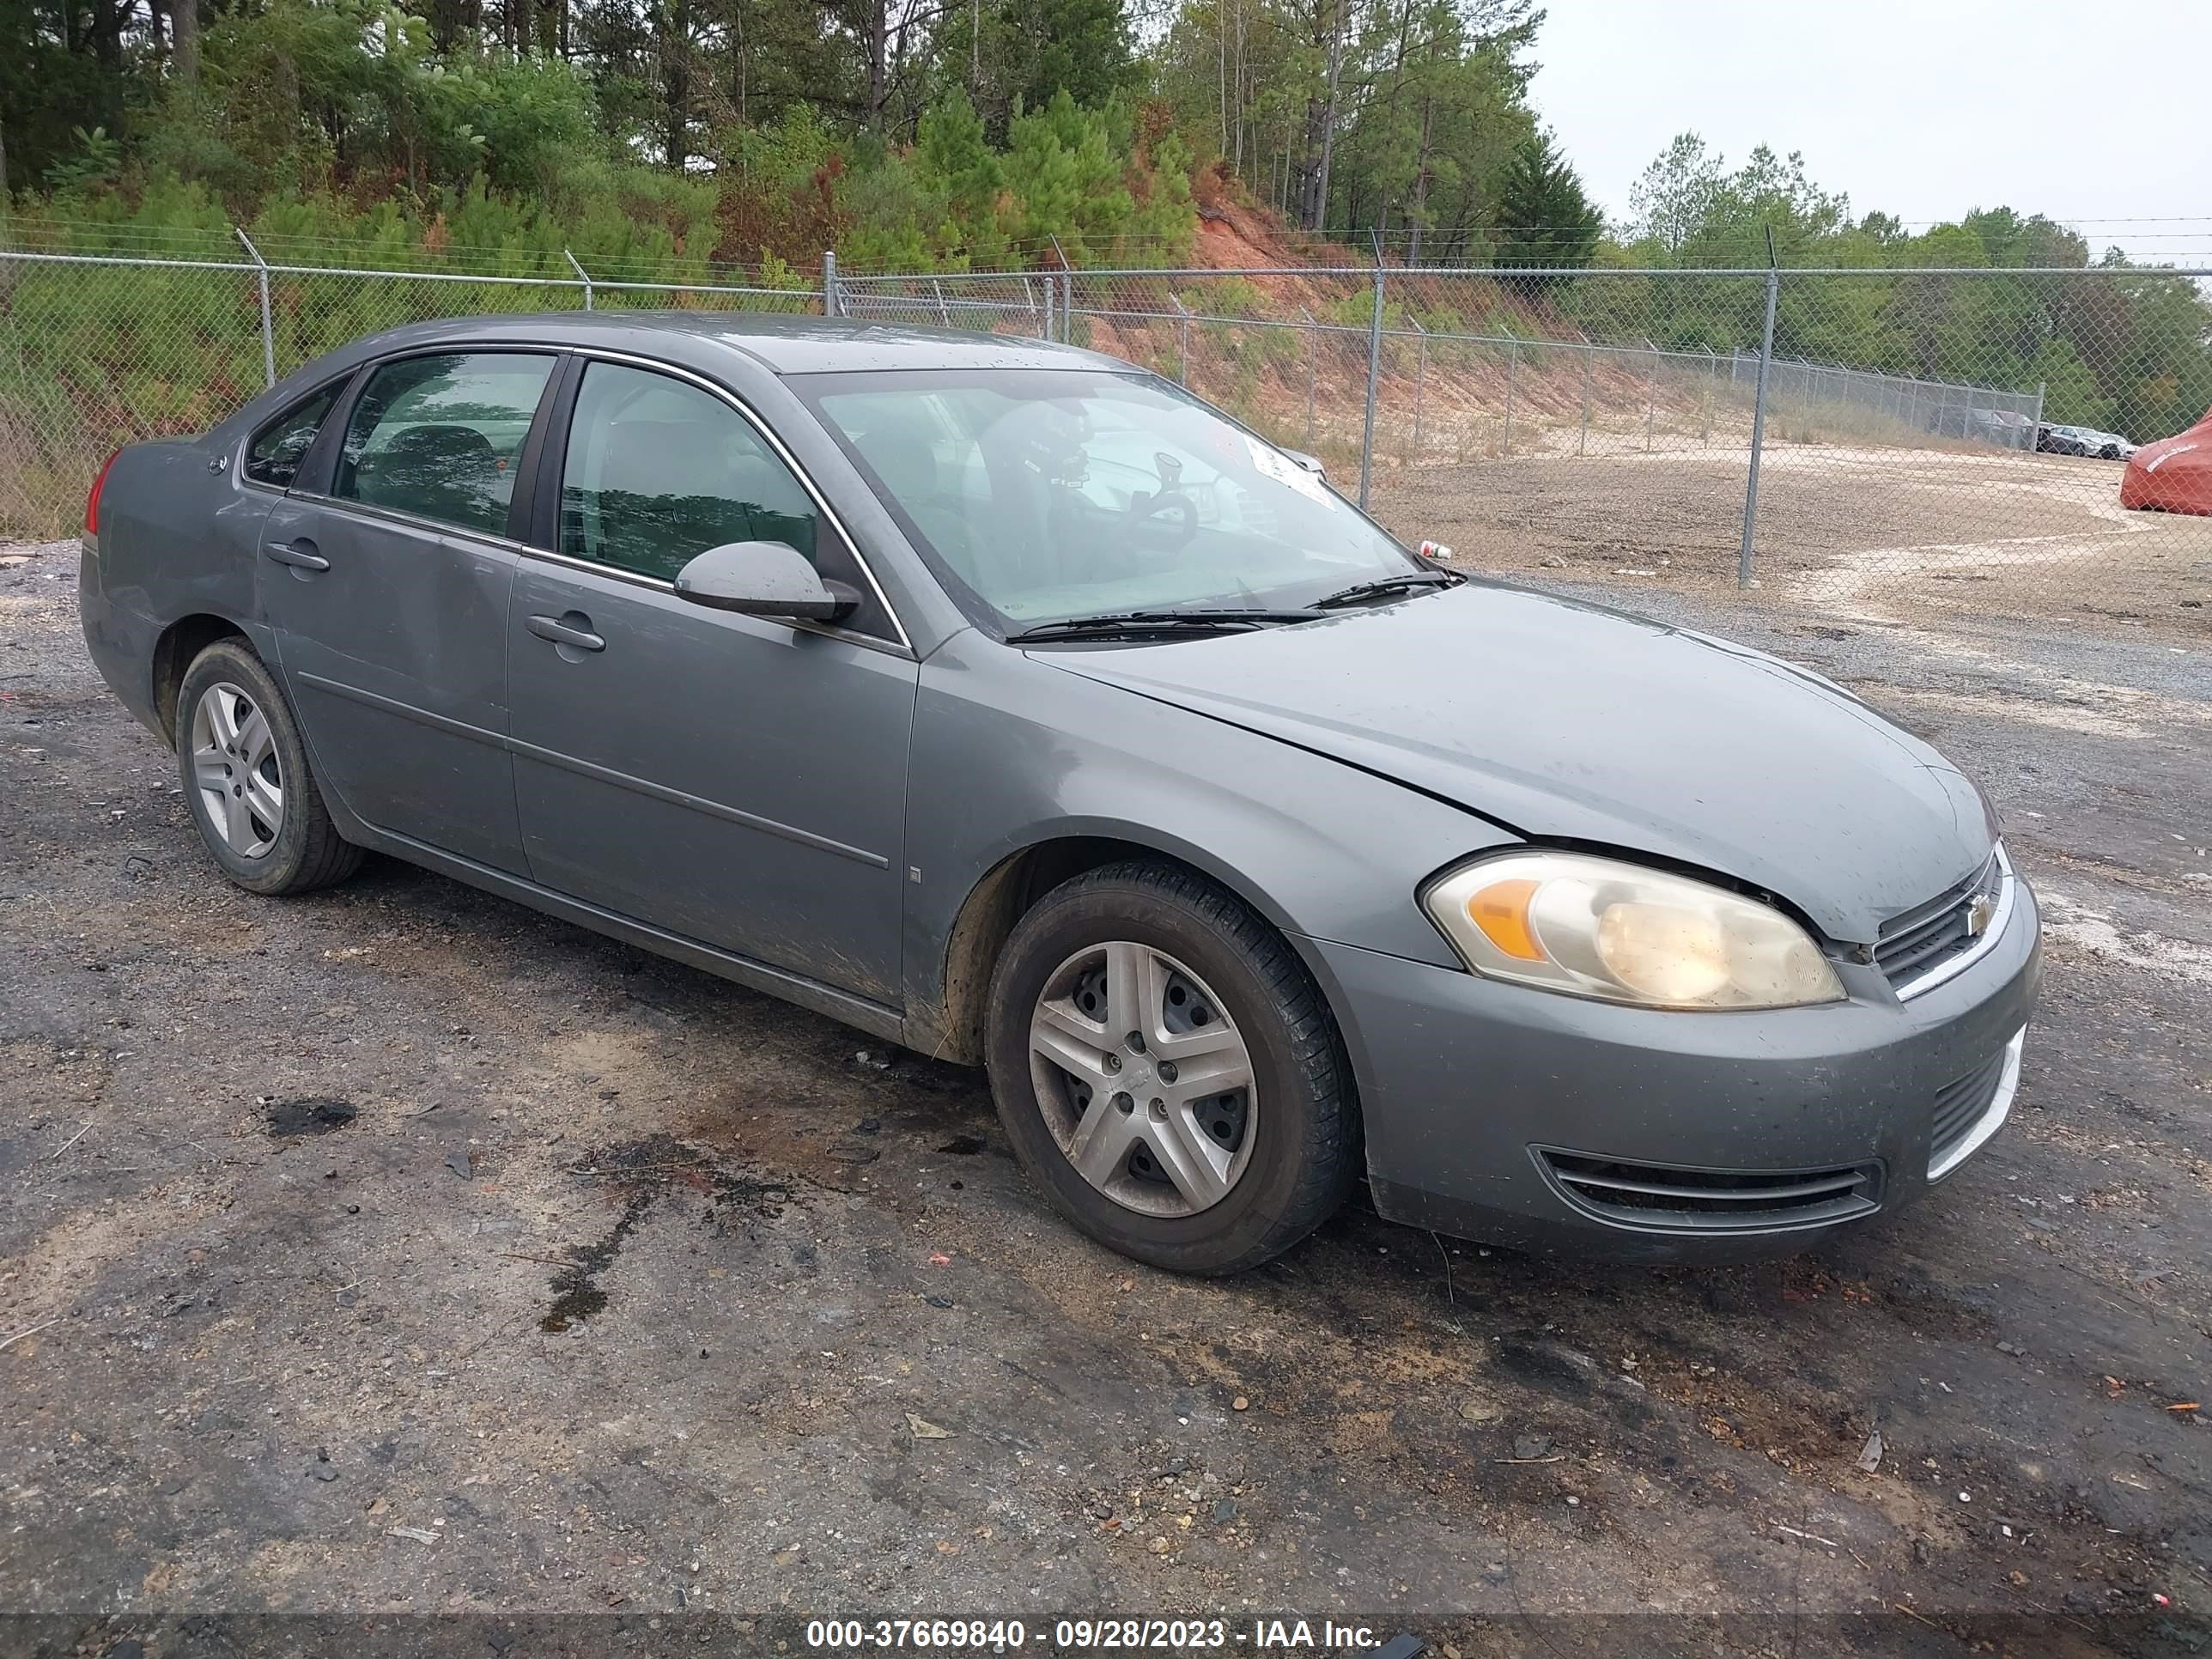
1546,219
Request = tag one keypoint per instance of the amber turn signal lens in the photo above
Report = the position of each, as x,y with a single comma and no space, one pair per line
1501,910
1605,928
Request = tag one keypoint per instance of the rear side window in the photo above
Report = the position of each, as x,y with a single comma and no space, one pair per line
273,456
439,436
657,472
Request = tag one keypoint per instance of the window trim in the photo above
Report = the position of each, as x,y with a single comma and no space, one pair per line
340,400
539,538
332,439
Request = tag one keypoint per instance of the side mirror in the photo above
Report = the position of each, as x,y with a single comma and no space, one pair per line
1308,462
764,578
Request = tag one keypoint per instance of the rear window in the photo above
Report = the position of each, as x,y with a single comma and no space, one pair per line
439,436
274,454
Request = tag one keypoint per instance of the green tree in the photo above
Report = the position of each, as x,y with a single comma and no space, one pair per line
1040,47
1675,199
1546,218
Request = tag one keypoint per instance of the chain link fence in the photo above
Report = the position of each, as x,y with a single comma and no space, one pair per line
100,350
1885,443
1941,441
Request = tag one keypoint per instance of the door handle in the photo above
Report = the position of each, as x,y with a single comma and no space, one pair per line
561,632
298,558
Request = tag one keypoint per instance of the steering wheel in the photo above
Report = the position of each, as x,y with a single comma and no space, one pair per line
1162,524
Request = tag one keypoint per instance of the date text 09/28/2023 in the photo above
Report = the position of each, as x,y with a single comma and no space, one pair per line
1103,1635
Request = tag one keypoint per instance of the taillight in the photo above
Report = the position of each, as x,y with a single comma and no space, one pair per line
92,501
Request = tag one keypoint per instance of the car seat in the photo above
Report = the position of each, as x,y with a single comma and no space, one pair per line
446,472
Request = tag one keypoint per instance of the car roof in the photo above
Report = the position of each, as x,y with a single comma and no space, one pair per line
782,343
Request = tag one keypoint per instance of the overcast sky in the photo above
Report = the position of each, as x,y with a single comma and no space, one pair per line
2080,109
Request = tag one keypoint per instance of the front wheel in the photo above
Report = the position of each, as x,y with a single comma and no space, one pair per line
1167,1071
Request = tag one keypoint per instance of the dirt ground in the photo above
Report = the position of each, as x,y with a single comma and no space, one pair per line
1876,534
397,1270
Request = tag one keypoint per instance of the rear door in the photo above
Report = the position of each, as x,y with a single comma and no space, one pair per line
732,780
388,592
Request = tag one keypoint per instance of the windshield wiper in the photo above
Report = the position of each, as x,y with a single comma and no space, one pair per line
1360,592
1161,624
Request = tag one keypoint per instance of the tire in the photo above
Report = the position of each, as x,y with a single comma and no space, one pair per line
228,693
1296,1125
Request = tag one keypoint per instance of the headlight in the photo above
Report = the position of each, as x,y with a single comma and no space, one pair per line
1597,928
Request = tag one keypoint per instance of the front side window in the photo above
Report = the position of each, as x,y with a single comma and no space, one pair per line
1046,495
274,454
439,436
657,472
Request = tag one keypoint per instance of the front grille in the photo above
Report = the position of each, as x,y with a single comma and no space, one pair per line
1926,936
1654,1198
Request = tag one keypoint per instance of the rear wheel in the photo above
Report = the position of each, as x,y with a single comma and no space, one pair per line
246,775
1167,1073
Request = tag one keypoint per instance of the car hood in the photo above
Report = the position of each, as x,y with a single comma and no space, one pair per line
1569,722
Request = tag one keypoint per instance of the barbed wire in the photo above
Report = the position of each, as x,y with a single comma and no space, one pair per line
1462,246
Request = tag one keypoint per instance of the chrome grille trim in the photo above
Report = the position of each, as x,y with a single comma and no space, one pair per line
2008,890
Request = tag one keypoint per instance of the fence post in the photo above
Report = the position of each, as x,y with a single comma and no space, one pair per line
1512,374
1313,370
1706,406
1758,432
1420,381
2035,426
268,321
1067,292
1183,336
1374,381
1589,362
1650,392
832,304
582,275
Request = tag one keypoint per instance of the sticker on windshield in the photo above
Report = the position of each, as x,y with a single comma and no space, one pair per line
1272,462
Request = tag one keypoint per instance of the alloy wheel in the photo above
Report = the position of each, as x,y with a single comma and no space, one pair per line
235,768
1143,1079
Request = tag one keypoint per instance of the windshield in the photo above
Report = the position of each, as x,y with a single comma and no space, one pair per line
1045,494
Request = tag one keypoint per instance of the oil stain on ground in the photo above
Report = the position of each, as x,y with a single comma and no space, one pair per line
312,1115
646,1170
576,1292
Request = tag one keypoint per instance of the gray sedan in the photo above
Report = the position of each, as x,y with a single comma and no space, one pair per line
1012,704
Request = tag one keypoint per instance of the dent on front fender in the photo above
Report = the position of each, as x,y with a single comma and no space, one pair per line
1010,753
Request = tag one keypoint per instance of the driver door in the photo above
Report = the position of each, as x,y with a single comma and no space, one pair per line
731,779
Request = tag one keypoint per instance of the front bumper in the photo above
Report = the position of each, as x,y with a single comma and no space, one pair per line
1487,1106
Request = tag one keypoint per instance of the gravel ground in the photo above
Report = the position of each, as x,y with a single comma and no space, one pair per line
398,1252
1880,534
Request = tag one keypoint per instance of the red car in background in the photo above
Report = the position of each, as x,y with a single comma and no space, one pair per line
2174,475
